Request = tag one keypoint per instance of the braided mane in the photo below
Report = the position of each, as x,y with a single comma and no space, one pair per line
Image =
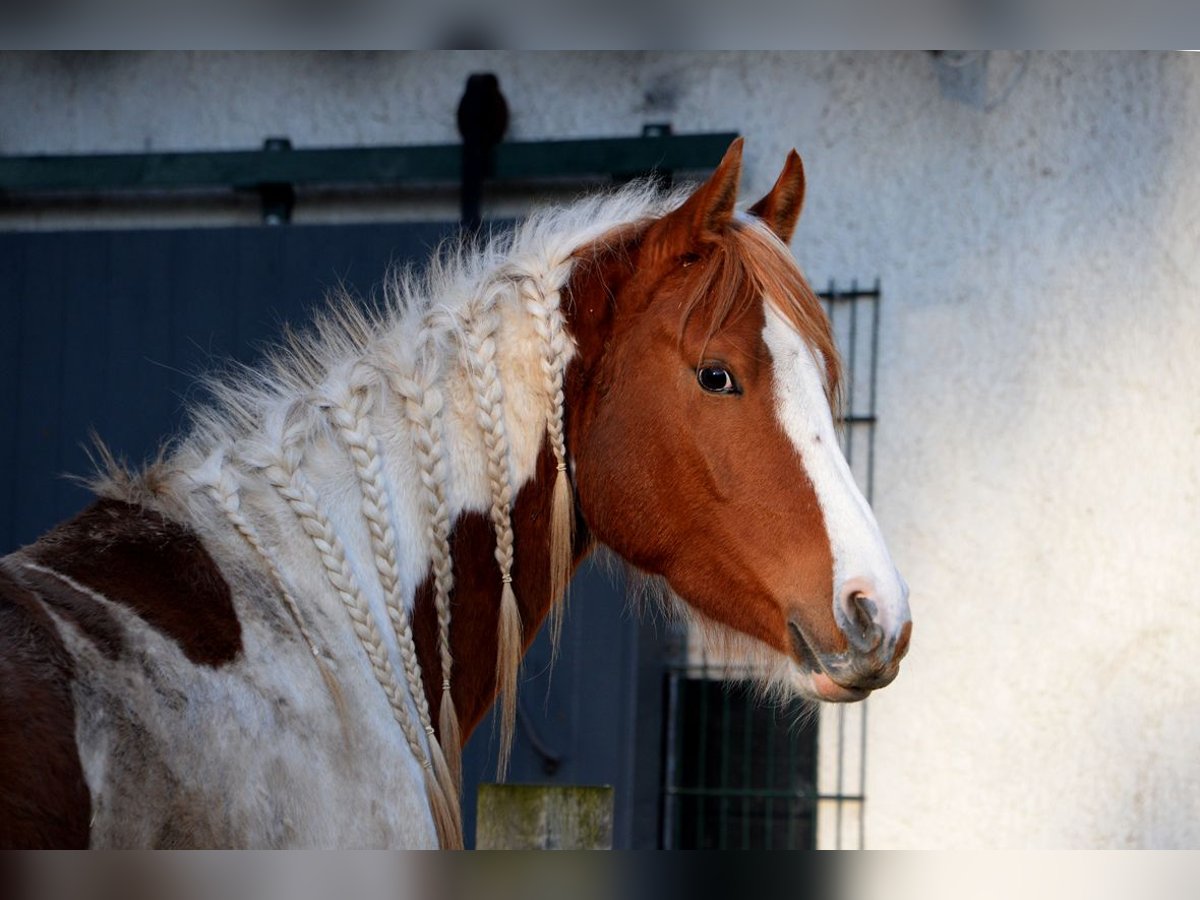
372,431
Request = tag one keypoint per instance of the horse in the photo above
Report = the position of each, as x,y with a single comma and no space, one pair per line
281,631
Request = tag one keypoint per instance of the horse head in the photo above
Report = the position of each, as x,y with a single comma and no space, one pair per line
701,425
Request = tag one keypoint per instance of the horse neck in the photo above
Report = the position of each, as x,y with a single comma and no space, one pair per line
474,633
583,298
361,377
357,449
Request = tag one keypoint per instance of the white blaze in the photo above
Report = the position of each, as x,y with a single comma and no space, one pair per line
854,538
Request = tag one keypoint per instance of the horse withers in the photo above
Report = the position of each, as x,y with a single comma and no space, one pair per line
281,633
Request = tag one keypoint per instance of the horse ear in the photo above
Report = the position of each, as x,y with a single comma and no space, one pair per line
780,208
709,210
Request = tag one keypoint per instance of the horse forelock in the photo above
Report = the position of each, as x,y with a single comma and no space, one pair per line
747,264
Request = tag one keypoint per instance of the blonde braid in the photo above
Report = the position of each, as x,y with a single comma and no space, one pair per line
489,399
223,489
542,298
423,406
352,421
285,476
224,492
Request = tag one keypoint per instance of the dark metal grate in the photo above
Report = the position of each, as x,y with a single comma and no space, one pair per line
738,773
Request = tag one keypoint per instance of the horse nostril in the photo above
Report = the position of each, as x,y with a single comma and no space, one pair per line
862,616
858,613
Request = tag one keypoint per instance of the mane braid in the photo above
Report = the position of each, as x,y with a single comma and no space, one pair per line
542,296
351,417
423,406
223,489
285,475
481,327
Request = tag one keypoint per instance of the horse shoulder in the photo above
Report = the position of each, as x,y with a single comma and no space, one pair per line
155,567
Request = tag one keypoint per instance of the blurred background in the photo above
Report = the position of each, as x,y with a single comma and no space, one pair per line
1007,244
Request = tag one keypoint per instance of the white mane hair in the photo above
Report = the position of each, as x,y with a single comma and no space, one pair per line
343,461
420,305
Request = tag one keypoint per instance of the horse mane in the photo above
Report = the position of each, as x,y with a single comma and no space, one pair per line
458,271
748,262
318,389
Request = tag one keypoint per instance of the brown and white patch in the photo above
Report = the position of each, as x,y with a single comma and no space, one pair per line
150,564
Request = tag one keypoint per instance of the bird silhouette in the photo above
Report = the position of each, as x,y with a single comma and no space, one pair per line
482,121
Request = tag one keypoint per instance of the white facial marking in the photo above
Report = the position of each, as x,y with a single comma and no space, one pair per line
859,553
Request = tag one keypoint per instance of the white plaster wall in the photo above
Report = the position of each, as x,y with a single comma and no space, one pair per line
1037,470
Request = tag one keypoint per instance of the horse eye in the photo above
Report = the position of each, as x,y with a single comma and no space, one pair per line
716,380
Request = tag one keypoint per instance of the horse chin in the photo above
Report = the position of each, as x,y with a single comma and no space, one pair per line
810,680
795,673
830,691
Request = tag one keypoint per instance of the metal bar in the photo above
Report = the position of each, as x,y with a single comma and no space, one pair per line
703,754
874,382
853,395
849,451
862,757
841,766
862,776
798,795
747,769
723,804
831,296
769,805
841,422
793,794
707,805
515,161
670,838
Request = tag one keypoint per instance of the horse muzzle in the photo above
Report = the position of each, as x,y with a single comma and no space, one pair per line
877,635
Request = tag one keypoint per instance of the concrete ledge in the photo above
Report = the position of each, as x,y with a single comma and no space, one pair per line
544,817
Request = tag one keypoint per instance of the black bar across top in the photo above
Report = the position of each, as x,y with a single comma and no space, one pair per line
515,161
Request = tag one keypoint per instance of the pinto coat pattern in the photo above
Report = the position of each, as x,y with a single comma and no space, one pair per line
281,633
